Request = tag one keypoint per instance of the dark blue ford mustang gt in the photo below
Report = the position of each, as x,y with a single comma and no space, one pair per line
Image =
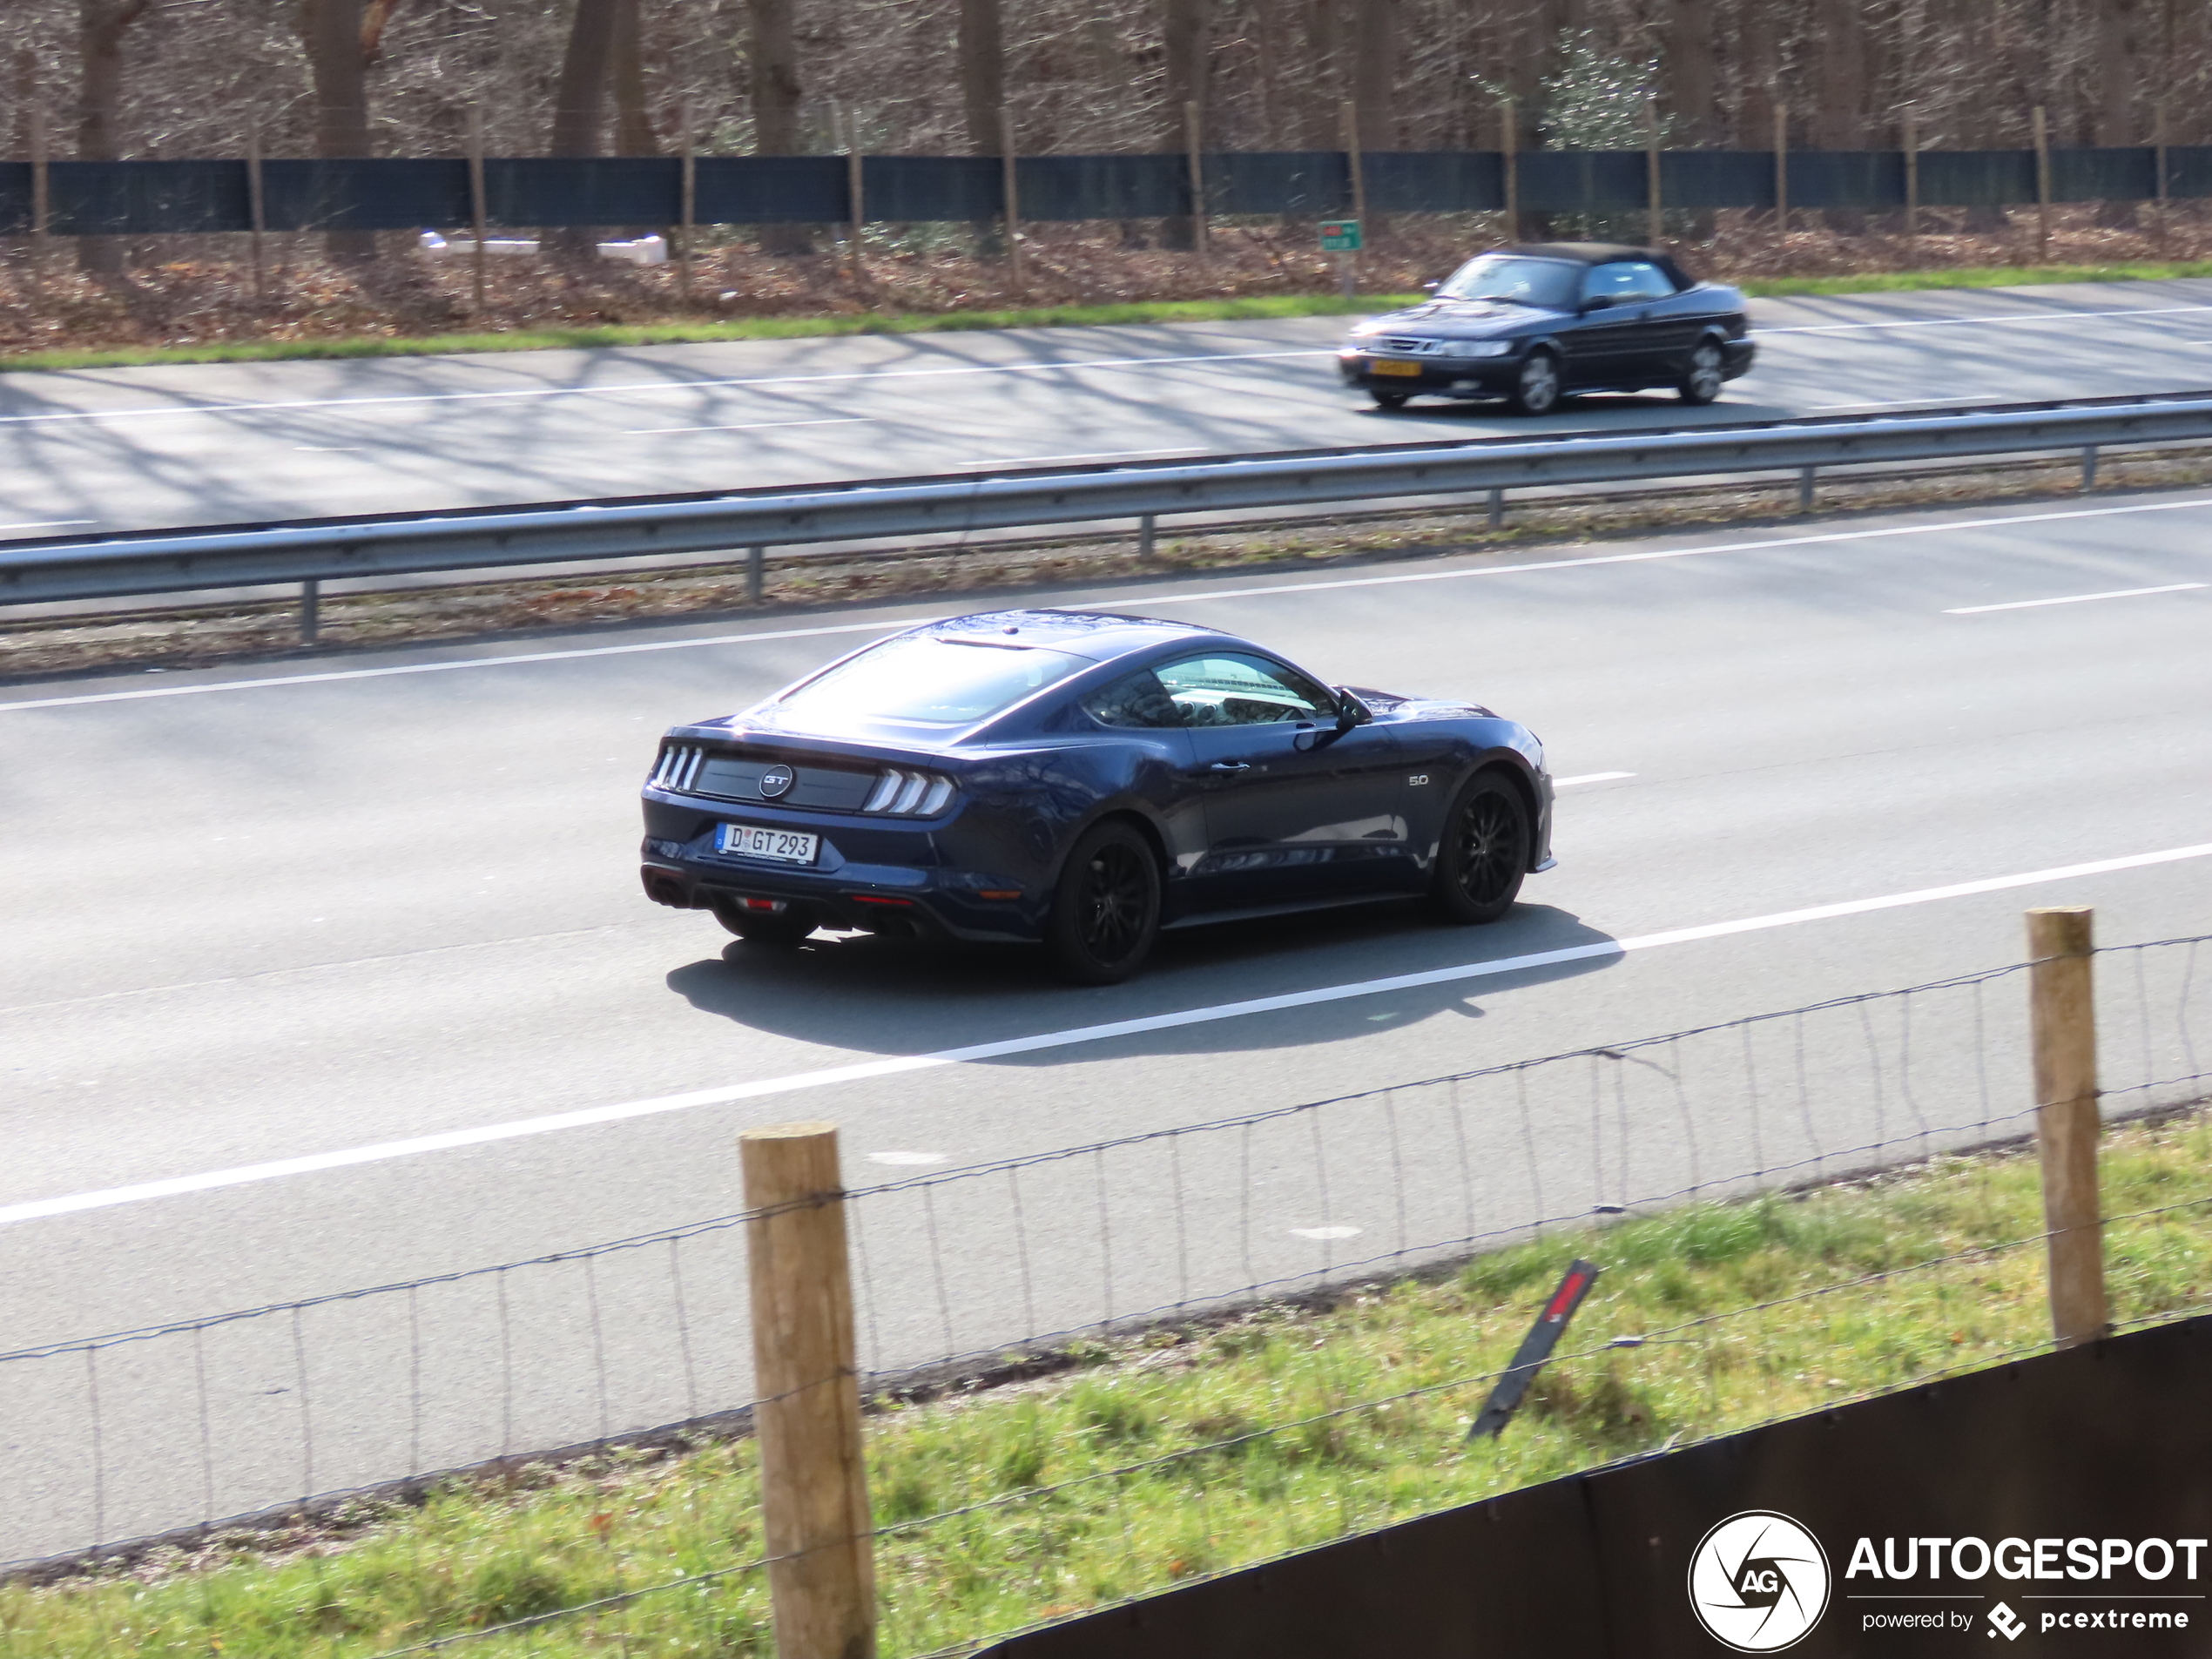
1085,780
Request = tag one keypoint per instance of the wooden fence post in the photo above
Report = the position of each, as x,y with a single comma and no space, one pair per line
1509,156
2042,187
1654,223
478,212
1191,136
813,1483
41,199
1009,183
2065,1021
1911,177
689,206
1782,168
257,206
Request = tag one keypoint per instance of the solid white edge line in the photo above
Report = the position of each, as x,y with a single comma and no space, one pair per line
1983,322
1590,778
590,1117
1255,592
2074,599
746,426
648,387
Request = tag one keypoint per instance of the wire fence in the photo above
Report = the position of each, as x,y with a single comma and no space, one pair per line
1196,1238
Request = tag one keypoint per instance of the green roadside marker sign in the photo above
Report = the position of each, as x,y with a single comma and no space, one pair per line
1339,236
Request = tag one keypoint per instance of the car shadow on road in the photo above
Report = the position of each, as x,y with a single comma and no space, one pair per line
857,992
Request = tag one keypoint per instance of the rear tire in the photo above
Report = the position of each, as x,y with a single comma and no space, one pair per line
1484,852
1536,390
784,929
1389,400
1704,376
1106,910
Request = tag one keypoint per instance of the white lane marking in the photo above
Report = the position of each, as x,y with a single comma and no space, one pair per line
1325,1233
1102,455
905,1158
2073,599
329,448
1590,778
49,524
466,662
1979,322
896,1065
1165,597
651,388
1900,403
749,425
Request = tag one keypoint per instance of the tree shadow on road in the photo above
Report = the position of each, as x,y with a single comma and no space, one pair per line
855,992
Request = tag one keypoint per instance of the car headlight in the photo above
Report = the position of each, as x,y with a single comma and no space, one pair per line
1482,347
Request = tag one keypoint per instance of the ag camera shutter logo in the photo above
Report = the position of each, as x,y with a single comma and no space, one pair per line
1758,1582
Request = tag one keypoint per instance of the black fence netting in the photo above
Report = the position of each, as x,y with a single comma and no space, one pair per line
146,198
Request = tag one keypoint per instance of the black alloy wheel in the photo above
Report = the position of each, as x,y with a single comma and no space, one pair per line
785,929
1389,400
1106,911
1702,380
1485,851
1536,390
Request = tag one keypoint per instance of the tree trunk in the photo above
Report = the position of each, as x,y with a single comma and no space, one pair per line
331,30
1686,53
775,105
1187,29
101,25
1758,76
982,72
634,134
580,108
1374,63
1840,123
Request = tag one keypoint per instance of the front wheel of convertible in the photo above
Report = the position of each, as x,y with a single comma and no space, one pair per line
1705,375
1106,911
1484,852
1536,389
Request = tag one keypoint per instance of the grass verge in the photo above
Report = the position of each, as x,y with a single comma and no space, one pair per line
1262,308
1191,1451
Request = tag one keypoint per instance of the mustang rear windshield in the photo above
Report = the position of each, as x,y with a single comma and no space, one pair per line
935,682
1554,283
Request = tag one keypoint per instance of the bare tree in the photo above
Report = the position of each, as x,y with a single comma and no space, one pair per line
1186,43
982,72
331,32
1374,25
101,25
776,92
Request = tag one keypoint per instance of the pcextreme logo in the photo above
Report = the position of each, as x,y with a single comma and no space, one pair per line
1758,1582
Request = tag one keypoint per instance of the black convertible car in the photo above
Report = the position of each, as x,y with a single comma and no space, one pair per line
1084,779
1532,323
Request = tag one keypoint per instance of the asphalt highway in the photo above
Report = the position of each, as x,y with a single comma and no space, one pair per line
134,449
324,975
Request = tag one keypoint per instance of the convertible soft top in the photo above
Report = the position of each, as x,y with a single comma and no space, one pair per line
1604,253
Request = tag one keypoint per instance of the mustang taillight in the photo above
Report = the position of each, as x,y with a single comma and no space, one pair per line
678,767
907,792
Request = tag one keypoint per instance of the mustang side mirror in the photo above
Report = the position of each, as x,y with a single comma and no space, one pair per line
1598,302
1431,287
1350,711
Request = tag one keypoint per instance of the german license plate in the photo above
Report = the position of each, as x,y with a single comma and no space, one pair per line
1395,366
751,841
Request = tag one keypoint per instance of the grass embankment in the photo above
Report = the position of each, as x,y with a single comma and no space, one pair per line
1048,1531
1259,307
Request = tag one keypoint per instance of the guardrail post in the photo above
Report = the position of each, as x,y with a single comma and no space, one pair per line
1147,535
1497,508
814,1482
310,610
756,573
2064,1015
2089,466
1804,489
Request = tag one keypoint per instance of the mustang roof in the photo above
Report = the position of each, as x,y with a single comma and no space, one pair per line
1099,635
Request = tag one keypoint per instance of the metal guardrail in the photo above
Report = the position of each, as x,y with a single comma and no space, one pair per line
313,551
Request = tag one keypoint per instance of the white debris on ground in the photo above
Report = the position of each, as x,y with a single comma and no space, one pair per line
644,250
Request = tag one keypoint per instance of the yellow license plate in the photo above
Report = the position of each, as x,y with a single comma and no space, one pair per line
1394,366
